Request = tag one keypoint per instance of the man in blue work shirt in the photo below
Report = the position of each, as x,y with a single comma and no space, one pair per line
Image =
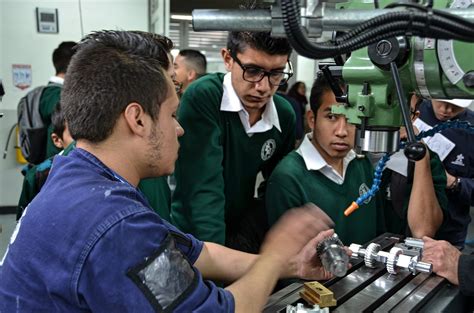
89,241
457,153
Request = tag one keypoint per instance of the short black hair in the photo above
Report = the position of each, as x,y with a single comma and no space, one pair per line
58,121
237,42
62,56
320,87
195,59
110,70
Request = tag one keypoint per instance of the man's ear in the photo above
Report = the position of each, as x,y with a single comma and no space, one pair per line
57,141
228,61
135,118
192,75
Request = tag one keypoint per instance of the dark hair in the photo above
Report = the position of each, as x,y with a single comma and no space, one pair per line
62,56
195,59
237,42
293,92
110,70
418,102
321,86
58,121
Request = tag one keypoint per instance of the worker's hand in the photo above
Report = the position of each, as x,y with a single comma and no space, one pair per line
295,229
444,257
306,264
403,132
449,179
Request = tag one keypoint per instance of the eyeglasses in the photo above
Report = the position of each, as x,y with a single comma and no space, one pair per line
254,74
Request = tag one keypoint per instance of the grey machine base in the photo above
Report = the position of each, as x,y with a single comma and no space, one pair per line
365,289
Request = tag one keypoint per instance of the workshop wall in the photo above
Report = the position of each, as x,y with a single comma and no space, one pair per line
20,43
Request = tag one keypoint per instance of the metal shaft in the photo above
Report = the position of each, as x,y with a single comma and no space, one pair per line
265,19
230,20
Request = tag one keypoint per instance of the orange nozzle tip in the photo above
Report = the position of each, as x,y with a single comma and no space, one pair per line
354,206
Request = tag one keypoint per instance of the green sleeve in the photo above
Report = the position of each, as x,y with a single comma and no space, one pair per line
281,195
49,99
28,191
439,182
158,194
198,201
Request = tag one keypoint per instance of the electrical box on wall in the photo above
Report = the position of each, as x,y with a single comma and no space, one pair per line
47,20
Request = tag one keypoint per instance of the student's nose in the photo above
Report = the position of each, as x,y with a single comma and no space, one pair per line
341,127
179,130
263,85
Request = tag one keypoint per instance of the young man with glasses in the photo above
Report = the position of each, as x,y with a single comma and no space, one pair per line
236,128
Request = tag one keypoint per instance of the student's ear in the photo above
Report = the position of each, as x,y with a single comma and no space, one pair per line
57,141
228,61
192,75
135,118
310,119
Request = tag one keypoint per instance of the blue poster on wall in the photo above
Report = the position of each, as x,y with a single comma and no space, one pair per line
21,75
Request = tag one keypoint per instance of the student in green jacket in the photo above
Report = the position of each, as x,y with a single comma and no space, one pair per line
326,171
235,127
35,176
51,94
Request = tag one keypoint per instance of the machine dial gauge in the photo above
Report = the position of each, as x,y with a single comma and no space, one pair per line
445,49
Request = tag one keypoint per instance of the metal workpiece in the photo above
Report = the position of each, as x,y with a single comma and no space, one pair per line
395,260
300,308
333,256
367,289
414,242
371,254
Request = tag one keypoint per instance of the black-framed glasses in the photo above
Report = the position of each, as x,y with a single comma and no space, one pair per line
254,74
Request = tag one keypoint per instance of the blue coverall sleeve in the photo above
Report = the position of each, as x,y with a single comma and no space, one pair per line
140,264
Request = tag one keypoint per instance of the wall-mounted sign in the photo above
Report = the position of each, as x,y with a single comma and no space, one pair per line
21,75
47,20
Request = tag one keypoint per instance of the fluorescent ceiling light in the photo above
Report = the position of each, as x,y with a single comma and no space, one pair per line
181,17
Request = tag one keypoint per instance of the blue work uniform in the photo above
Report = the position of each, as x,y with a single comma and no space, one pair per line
460,163
93,244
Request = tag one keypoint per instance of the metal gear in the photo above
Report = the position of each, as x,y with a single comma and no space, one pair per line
392,260
371,250
326,243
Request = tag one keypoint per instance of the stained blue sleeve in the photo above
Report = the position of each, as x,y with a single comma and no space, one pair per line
136,242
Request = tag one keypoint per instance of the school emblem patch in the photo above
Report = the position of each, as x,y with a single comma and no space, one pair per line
363,188
459,160
268,149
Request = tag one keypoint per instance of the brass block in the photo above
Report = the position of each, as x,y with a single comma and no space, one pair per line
315,293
